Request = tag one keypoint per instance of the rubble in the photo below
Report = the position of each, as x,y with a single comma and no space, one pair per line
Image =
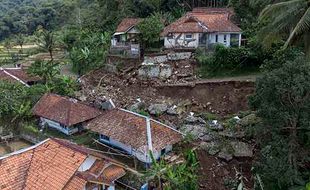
190,119
157,109
215,125
137,106
224,154
249,120
241,149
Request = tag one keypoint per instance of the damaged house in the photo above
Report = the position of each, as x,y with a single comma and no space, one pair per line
203,27
125,38
56,164
17,75
136,134
67,115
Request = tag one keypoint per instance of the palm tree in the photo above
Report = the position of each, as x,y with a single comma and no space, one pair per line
289,19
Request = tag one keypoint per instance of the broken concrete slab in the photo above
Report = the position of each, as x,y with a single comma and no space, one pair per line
190,119
242,149
157,109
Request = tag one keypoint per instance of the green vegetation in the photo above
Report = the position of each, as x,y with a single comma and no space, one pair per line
181,176
277,40
282,101
150,29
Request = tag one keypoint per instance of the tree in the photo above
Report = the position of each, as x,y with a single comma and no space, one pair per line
181,176
46,41
289,19
20,40
282,100
47,70
150,29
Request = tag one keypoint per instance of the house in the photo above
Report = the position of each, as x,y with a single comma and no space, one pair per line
56,164
203,27
126,31
125,39
65,114
134,133
17,75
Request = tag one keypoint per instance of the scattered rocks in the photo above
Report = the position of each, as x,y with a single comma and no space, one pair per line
249,120
232,134
197,131
212,147
215,125
194,120
157,109
173,111
137,106
224,154
241,149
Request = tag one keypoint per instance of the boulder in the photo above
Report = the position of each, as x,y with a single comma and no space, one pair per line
249,120
173,111
241,149
137,106
211,147
190,119
232,134
197,131
157,109
215,125
224,154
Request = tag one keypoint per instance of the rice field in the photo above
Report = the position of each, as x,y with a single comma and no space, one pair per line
8,56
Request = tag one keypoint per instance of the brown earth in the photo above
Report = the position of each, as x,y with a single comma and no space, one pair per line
215,174
215,96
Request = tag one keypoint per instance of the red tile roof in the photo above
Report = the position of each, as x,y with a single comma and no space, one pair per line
131,129
51,165
64,110
16,75
203,20
127,23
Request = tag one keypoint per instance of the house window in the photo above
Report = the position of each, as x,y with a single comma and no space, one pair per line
106,138
163,151
170,36
225,38
216,38
188,36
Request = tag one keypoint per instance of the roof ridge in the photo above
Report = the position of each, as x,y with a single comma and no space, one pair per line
13,76
24,150
27,171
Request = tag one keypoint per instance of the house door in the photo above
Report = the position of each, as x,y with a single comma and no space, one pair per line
203,39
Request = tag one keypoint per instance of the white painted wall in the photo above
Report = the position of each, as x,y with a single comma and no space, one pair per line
133,30
55,125
90,160
182,42
171,42
118,144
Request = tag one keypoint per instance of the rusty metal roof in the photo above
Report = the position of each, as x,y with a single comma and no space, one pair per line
64,110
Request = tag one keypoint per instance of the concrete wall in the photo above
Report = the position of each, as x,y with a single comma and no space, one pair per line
64,129
162,58
171,43
155,71
179,40
142,156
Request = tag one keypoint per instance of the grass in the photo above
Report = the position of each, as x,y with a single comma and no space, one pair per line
222,73
82,138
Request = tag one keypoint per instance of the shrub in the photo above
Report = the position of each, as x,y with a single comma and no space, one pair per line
227,58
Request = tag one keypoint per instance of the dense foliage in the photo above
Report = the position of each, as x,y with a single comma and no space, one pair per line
282,101
24,16
182,176
87,50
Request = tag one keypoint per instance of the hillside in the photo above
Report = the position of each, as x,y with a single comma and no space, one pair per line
24,16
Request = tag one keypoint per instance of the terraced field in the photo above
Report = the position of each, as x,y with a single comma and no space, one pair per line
14,54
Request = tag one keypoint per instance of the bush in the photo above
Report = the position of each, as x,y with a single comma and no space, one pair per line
226,58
